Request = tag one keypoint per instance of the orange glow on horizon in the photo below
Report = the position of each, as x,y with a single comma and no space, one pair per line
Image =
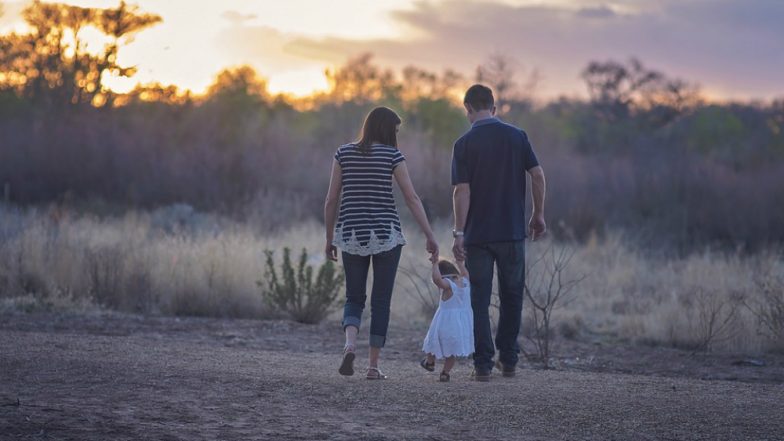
292,50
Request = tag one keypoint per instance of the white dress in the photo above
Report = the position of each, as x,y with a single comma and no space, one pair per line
451,332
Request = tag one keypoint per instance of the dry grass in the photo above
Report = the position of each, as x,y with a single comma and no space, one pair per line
176,261
153,263
670,301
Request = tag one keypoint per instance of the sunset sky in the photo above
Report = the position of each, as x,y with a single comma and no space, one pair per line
733,49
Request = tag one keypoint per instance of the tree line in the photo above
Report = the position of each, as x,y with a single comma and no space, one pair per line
645,153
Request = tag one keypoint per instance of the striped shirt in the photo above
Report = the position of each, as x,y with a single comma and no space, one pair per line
368,222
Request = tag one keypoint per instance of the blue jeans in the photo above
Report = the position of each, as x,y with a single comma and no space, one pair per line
509,257
384,271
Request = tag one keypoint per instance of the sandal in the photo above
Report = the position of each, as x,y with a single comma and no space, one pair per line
347,366
374,373
430,367
444,377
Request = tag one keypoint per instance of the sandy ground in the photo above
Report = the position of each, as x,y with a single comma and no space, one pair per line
116,377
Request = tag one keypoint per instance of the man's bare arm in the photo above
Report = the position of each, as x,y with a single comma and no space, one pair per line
461,200
537,226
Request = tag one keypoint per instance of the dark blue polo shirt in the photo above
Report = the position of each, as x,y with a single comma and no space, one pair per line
493,158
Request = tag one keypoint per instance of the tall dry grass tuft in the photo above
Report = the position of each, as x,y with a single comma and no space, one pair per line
170,261
690,302
178,261
766,302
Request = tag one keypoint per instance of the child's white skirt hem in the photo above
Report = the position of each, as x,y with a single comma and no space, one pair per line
441,356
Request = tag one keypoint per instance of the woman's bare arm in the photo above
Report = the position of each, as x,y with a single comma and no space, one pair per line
415,205
331,208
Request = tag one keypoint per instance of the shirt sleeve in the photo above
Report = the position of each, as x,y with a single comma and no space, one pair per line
459,166
397,159
337,156
529,157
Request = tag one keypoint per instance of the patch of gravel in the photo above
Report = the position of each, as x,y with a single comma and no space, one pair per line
126,377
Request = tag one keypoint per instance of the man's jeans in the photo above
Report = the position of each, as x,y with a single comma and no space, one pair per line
510,259
384,271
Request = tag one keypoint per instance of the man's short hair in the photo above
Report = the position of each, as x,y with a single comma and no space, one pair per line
479,97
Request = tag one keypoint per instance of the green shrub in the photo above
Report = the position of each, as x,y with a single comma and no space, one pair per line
295,292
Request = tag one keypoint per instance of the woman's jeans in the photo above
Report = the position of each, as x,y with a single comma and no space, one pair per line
384,271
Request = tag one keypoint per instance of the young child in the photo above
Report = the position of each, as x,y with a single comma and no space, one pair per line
451,332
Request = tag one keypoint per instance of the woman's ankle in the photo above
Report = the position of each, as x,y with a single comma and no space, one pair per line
351,335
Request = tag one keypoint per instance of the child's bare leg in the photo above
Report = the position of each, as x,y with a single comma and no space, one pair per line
448,364
431,359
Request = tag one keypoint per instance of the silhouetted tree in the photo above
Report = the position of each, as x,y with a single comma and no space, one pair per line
419,84
616,89
51,64
498,73
361,81
154,93
502,74
237,149
241,81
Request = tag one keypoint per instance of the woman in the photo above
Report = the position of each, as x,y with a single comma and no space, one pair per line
367,228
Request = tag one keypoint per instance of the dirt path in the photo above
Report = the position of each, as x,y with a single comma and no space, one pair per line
163,378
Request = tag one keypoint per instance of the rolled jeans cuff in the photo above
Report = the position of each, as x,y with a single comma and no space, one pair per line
377,341
351,321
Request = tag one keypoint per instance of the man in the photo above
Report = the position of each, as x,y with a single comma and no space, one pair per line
488,174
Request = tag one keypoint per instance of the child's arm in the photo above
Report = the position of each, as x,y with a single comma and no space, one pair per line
462,268
437,278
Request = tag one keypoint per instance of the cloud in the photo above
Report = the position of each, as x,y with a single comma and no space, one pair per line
730,48
238,18
733,48
602,11
269,49
10,13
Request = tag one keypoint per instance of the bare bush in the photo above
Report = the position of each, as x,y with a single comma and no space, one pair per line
104,271
716,317
767,305
17,279
548,286
138,290
295,292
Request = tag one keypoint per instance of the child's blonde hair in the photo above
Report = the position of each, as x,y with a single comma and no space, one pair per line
447,268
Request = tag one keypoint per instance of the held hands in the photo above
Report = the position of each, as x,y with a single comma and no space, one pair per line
537,228
432,248
458,248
